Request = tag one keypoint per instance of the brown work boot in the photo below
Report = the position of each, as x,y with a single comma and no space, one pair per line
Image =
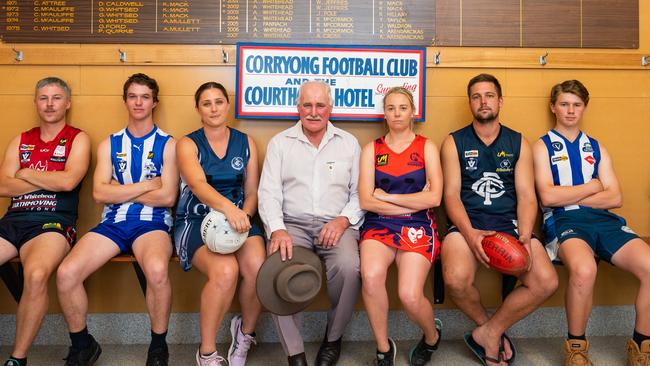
636,356
576,353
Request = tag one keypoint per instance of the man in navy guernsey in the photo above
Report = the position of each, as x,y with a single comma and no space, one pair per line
489,186
577,186
41,173
137,179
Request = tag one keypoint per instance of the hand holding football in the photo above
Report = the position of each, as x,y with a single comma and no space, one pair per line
507,255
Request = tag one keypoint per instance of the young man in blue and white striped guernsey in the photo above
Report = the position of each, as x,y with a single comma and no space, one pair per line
577,186
137,179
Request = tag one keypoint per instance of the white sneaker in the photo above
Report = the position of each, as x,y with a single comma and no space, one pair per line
240,343
212,360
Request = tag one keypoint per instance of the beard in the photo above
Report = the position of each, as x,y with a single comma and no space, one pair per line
490,117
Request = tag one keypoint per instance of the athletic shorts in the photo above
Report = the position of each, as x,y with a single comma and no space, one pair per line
603,231
491,222
20,232
187,238
407,235
124,233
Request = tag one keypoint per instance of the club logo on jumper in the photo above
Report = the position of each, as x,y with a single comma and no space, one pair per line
472,164
490,186
505,166
24,156
557,146
414,237
59,151
121,165
587,147
382,159
39,166
590,159
150,171
416,160
237,163
556,159
471,153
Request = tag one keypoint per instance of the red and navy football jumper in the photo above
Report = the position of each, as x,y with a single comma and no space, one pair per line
402,173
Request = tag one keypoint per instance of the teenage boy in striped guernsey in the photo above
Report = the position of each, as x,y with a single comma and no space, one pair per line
41,173
137,179
576,184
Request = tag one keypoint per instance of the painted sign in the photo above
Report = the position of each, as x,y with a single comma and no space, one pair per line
269,76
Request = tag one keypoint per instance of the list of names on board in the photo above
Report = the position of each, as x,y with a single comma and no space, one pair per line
217,21
548,23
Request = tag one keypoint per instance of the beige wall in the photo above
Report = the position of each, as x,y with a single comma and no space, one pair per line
618,115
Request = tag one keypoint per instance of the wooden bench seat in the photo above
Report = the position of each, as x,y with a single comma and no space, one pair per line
12,273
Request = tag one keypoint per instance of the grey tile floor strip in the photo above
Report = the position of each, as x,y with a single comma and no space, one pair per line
129,329
605,351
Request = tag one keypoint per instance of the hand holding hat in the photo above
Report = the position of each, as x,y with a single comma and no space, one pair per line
287,287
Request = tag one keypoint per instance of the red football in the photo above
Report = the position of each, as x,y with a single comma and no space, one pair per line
507,255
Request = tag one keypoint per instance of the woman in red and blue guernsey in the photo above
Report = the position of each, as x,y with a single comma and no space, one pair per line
400,181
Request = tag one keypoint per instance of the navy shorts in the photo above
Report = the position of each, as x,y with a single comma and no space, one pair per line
491,222
124,233
187,238
19,232
603,231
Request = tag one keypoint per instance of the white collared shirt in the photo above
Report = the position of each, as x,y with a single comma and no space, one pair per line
303,182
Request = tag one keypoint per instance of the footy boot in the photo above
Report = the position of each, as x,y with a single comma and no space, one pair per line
638,356
576,353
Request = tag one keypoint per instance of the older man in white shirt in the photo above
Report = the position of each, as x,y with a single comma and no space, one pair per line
308,197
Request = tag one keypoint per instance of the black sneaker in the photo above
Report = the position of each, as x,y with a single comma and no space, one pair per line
11,362
421,353
158,357
387,358
84,357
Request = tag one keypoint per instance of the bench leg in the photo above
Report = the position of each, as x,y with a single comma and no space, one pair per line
438,283
13,279
507,285
141,278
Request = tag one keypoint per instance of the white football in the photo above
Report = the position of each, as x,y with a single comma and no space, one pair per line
219,236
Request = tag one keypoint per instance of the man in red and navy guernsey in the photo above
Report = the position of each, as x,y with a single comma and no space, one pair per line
41,173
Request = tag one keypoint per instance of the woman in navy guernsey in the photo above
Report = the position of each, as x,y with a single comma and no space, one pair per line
577,186
400,181
219,171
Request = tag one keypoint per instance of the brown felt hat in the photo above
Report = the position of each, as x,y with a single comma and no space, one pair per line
285,288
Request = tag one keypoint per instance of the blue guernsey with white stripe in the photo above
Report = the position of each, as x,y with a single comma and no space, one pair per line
572,163
134,160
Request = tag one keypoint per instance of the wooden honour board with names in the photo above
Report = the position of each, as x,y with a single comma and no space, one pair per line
503,23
